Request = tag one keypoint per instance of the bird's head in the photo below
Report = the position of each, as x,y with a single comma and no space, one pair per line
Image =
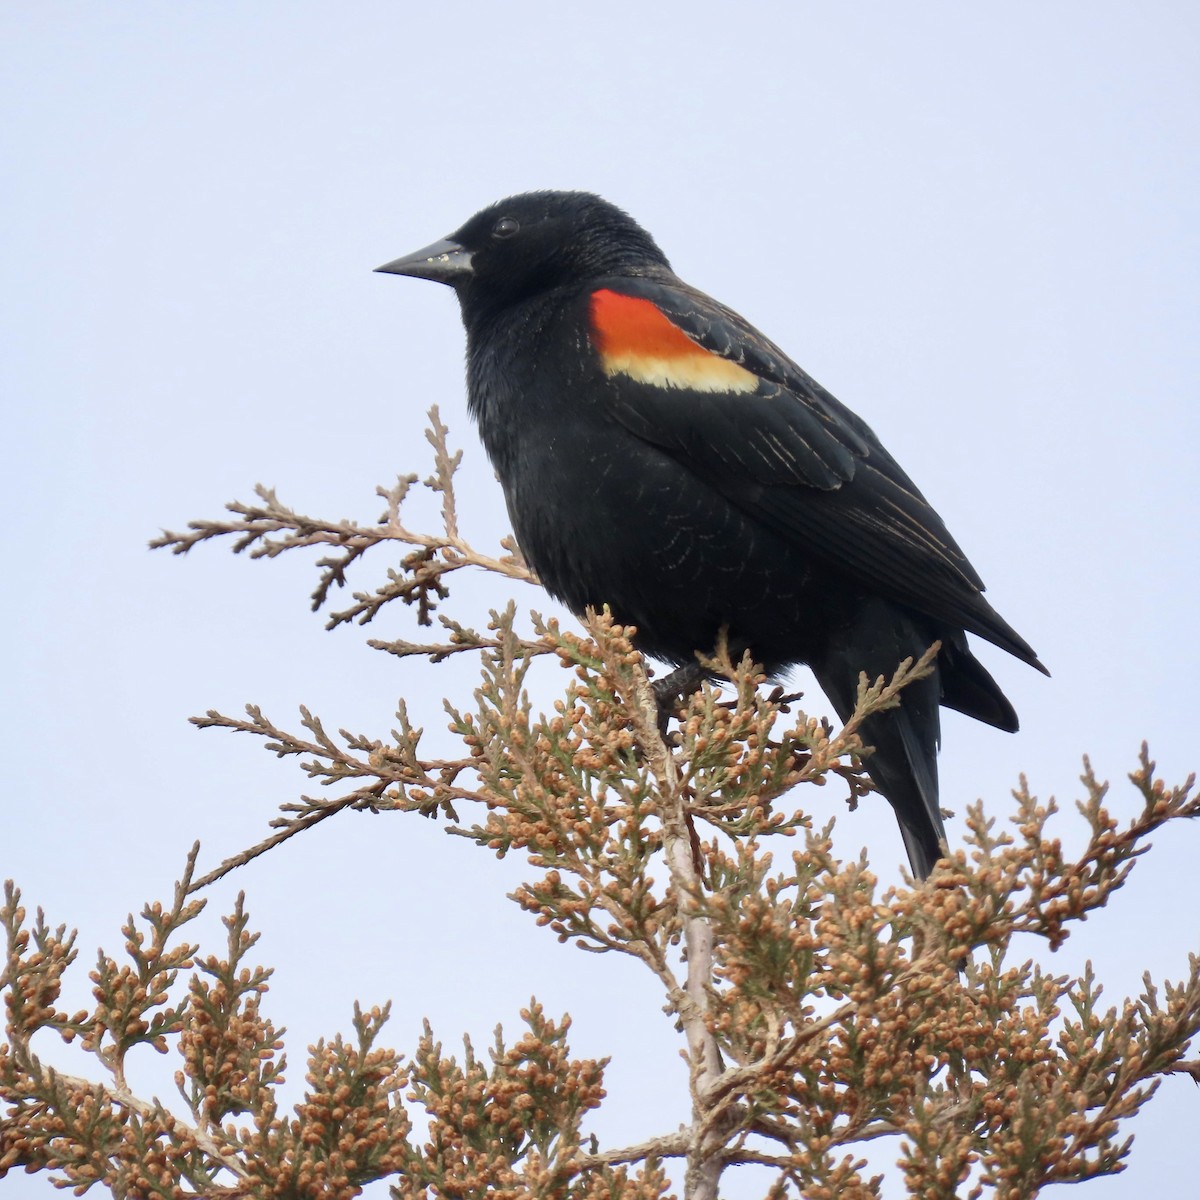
530,244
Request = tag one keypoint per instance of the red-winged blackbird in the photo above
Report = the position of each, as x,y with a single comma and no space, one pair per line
660,456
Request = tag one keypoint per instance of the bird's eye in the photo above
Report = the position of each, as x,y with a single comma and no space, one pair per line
506,227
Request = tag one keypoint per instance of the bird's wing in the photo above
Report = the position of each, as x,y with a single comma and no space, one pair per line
697,380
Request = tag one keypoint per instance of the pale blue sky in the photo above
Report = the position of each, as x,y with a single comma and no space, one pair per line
975,225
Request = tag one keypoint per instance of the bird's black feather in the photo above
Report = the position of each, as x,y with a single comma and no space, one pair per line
660,456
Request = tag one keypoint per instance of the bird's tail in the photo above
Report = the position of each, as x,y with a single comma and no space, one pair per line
877,638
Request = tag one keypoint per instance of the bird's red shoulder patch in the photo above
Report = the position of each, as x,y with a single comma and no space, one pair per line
634,337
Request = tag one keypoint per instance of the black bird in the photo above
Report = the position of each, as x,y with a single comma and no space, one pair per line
661,456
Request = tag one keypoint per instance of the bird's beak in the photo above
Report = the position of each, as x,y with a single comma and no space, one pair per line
443,262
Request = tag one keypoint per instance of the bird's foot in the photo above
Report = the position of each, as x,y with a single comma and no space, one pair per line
672,688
